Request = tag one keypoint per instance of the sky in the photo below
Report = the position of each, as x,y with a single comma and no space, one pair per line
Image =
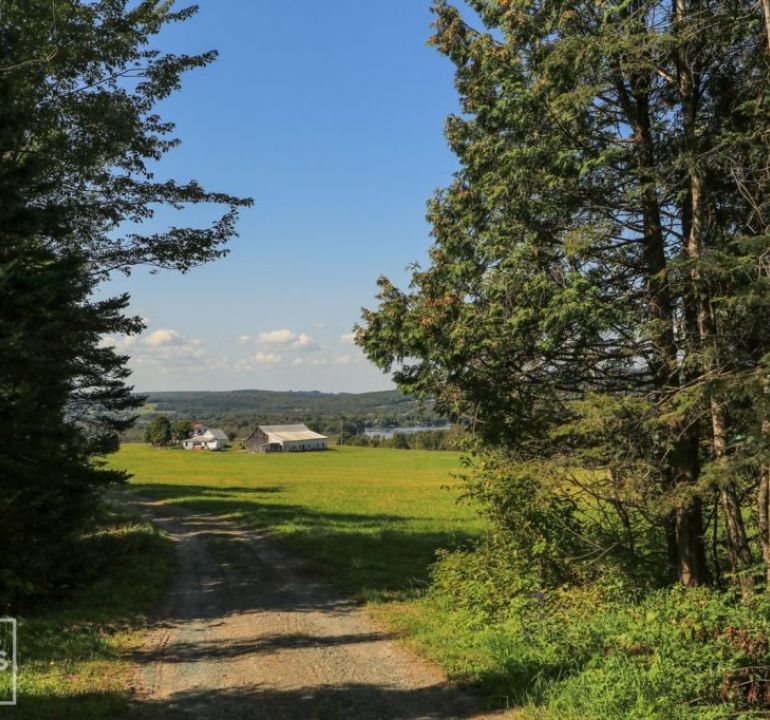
330,115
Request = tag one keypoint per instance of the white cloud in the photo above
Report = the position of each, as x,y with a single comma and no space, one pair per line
278,337
267,358
343,360
163,337
312,361
162,351
305,343
244,339
242,366
285,338
348,338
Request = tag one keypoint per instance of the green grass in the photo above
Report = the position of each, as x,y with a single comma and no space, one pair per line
371,519
148,408
73,661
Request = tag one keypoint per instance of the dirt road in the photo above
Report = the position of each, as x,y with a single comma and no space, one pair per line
248,632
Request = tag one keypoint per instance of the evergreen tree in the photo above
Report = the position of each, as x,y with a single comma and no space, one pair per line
49,354
79,136
598,282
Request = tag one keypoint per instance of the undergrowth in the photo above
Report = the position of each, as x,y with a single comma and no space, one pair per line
601,652
72,648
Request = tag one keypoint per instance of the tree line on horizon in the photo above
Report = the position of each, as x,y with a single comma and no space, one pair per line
239,411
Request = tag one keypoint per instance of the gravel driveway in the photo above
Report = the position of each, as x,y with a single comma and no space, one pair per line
249,632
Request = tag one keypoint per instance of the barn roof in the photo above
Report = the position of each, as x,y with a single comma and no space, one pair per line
291,432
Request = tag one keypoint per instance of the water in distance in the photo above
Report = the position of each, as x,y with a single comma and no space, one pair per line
388,431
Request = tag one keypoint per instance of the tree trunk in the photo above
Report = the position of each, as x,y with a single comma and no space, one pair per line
693,568
766,14
738,547
689,537
691,544
739,550
763,494
763,509
680,466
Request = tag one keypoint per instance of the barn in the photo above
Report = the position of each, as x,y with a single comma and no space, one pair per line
285,438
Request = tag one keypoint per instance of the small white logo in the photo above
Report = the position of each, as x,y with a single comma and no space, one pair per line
8,669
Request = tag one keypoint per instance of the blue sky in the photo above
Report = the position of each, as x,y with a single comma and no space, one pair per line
330,115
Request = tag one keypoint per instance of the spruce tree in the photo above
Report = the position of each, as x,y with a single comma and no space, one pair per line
79,140
598,281
63,398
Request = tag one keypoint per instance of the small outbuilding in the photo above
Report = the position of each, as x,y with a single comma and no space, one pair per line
206,439
285,438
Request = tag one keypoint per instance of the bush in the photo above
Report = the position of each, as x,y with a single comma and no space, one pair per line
600,651
159,432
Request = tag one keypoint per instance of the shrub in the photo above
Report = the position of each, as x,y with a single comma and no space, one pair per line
602,651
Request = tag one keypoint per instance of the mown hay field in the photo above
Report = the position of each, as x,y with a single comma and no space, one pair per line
371,519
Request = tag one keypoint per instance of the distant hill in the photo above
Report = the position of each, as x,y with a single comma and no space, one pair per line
239,410
271,402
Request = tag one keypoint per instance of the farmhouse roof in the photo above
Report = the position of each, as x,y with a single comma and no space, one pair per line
291,432
208,435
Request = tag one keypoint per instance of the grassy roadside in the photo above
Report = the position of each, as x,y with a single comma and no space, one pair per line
370,519
72,651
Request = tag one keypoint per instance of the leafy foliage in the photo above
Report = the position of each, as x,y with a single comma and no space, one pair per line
159,431
599,651
594,311
598,277
181,429
79,140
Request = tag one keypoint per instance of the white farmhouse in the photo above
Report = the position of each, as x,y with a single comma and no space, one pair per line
285,438
206,439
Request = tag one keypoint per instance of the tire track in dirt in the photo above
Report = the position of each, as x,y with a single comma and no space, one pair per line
248,632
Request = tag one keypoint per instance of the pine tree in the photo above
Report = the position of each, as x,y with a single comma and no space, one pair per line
79,137
63,399
597,283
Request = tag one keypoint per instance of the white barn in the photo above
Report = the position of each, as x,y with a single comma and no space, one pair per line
208,439
285,438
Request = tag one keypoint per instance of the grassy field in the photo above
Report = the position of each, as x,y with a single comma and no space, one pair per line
371,519
73,650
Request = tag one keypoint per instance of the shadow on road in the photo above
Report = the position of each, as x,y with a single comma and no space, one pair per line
373,557
193,651
346,702
249,632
